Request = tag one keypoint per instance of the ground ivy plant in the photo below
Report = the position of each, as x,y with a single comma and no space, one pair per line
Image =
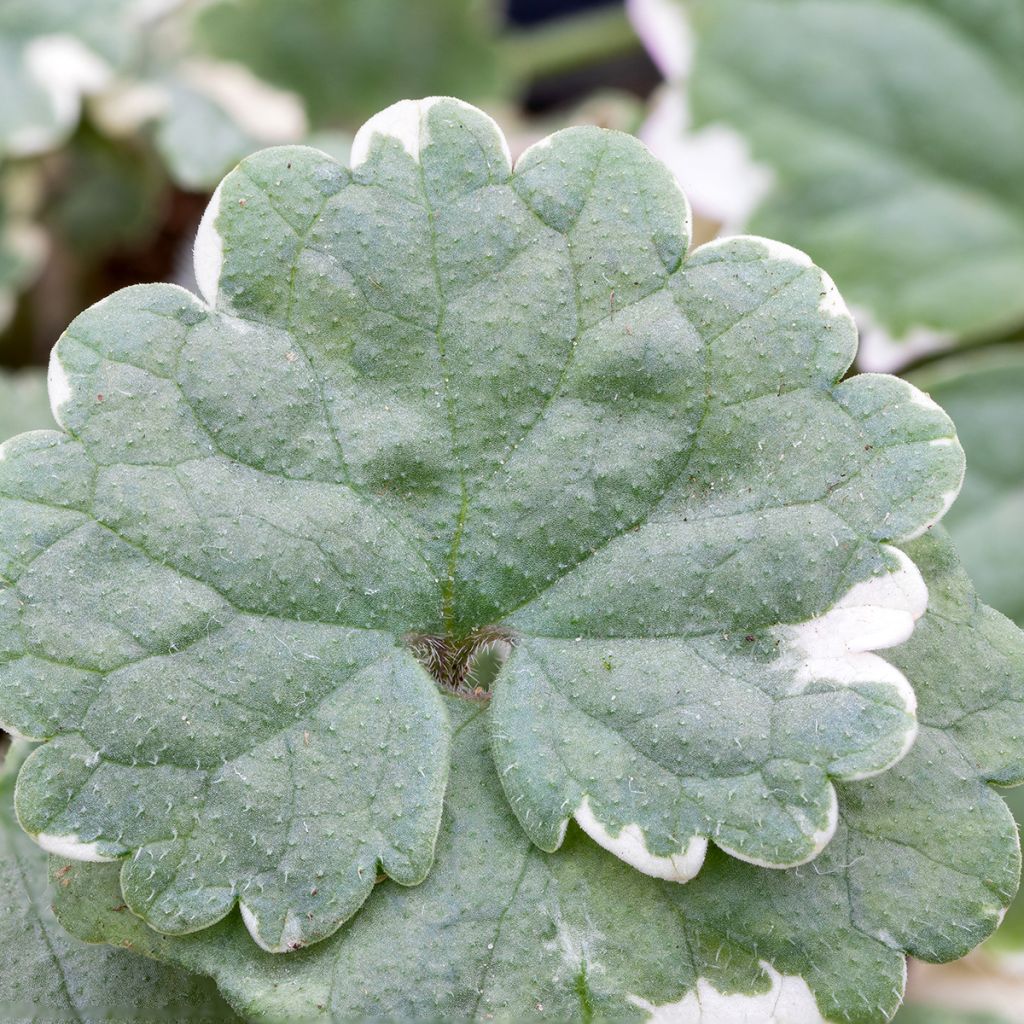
460,467
924,861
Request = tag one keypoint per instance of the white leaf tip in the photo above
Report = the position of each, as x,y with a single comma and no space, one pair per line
406,122
71,847
630,845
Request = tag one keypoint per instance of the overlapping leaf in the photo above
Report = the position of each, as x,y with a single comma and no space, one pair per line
22,244
431,405
52,53
45,975
349,58
24,403
924,861
984,393
906,183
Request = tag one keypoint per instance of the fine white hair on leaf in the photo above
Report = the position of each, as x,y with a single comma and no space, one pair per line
208,253
630,846
291,931
406,122
925,401
820,838
788,1000
72,848
782,252
773,250
832,302
401,121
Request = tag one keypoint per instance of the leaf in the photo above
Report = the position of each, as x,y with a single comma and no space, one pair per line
110,198
984,392
217,114
22,244
52,54
904,183
921,1013
924,861
348,60
431,406
1008,941
24,403
45,975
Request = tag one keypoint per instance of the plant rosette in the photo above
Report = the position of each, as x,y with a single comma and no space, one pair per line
439,434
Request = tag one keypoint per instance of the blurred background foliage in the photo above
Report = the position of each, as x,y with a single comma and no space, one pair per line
885,137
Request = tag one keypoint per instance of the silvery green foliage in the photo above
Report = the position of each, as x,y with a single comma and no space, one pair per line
132,58
349,58
52,53
46,975
433,405
22,244
905,183
923,1013
924,861
211,115
984,392
1008,941
24,403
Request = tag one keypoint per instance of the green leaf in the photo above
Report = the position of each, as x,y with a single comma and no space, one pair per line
924,861
24,403
52,53
45,975
208,126
905,183
433,406
349,59
22,244
922,1013
1009,939
110,198
984,392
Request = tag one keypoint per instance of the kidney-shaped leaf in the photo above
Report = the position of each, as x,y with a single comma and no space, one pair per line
431,405
924,861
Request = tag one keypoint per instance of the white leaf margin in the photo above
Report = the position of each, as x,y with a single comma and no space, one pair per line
788,1000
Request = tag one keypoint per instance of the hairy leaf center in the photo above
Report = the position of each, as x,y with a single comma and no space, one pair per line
466,666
